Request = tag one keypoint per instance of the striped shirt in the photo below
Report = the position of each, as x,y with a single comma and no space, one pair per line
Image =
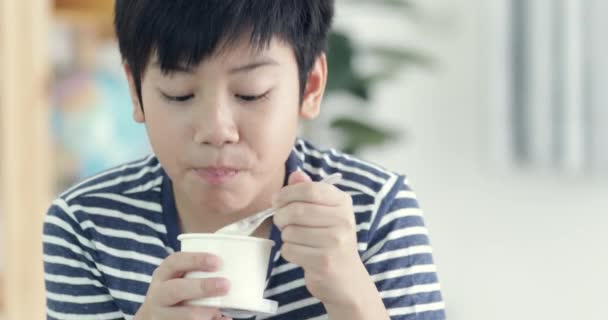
104,237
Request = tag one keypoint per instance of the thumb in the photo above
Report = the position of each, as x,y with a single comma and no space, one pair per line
298,177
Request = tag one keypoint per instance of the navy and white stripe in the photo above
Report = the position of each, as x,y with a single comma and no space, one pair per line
104,237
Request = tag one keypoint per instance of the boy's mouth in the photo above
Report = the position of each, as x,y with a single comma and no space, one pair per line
217,175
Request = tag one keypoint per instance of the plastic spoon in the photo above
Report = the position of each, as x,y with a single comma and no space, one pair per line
248,225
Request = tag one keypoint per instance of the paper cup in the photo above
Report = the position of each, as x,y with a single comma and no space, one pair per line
245,264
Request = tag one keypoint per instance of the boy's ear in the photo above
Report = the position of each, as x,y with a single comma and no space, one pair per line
315,88
138,113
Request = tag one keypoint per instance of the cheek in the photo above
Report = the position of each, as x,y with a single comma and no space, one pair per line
166,130
271,132
285,108
273,121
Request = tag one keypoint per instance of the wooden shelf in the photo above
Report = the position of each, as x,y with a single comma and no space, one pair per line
26,174
2,306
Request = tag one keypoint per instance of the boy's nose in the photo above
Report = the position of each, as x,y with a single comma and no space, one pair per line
216,126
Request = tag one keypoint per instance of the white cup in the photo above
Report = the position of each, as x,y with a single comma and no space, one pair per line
244,262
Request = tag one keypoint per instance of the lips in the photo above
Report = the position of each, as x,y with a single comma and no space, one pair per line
218,171
217,175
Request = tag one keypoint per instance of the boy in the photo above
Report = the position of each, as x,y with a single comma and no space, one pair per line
220,86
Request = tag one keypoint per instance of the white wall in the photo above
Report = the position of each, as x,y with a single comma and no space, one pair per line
508,244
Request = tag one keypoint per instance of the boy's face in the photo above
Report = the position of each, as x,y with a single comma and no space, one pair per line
224,129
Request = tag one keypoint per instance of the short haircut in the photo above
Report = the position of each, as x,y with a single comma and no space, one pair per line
185,32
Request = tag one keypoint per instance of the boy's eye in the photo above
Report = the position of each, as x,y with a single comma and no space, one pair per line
248,98
178,98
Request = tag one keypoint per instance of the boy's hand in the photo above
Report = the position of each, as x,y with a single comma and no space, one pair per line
319,234
169,290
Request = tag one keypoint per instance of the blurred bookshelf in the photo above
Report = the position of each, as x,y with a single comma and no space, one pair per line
91,121
97,13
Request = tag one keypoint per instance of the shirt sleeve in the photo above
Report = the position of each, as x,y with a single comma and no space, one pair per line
399,258
74,286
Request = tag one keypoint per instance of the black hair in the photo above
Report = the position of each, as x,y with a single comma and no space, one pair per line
185,32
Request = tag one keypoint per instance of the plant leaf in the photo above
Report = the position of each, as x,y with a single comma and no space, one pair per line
359,87
358,134
402,56
402,4
339,62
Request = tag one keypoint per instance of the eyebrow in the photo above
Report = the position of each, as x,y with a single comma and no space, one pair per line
266,61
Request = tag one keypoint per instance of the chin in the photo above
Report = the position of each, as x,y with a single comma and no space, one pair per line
223,202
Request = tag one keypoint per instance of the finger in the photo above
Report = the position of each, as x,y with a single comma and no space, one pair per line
298,177
175,291
311,192
190,312
305,257
331,237
310,215
175,265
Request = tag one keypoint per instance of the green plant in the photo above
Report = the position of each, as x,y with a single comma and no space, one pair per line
343,77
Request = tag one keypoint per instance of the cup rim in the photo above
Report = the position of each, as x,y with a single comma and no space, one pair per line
215,236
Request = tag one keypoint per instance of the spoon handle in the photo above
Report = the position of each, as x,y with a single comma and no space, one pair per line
263,215
248,225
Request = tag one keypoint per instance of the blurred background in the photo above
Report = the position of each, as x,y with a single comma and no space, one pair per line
495,109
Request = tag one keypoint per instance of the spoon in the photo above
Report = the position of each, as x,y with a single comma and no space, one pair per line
247,226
